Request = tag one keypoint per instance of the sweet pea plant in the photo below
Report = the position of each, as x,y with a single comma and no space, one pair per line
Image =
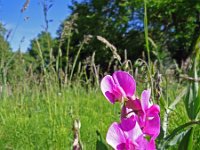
140,120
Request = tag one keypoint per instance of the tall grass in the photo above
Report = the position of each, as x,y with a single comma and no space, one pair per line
35,119
30,121
39,110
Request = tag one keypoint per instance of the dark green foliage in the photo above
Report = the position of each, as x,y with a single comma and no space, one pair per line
5,54
2,29
4,48
4,45
187,141
174,26
109,19
100,143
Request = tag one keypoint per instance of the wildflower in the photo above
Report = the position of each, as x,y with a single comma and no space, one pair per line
128,135
139,117
118,87
148,114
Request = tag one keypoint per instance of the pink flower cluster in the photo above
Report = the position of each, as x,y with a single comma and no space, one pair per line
140,120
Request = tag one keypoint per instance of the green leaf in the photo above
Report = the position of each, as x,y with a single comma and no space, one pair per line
180,128
178,99
189,102
176,135
197,104
100,144
187,141
177,138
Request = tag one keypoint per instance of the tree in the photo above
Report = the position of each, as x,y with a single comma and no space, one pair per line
4,45
5,53
109,19
174,26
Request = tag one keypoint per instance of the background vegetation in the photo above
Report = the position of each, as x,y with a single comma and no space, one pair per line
56,81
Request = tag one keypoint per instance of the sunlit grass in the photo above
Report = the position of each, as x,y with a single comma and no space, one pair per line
33,122
44,120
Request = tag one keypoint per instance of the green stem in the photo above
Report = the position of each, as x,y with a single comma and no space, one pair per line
146,32
75,60
67,54
147,47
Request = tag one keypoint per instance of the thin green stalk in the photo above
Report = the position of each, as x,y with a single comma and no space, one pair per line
45,75
75,60
147,47
41,57
42,63
146,32
58,66
67,54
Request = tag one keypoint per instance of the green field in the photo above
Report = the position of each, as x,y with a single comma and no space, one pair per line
47,86
37,119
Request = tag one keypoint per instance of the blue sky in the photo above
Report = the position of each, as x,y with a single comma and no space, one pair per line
14,20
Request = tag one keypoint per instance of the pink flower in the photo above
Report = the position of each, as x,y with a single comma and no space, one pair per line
148,114
127,135
139,117
118,86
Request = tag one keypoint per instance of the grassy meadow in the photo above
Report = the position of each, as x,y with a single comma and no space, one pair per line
56,81
34,118
43,120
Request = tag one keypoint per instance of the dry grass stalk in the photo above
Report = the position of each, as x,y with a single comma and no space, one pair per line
68,26
25,6
112,47
77,145
95,69
8,34
158,87
190,78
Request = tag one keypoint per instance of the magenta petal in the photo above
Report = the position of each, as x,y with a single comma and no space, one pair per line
121,146
118,92
152,126
128,124
115,136
152,123
134,133
141,118
154,109
107,85
110,97
141,143
151,145
134,104
145,99
131,128
126,81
